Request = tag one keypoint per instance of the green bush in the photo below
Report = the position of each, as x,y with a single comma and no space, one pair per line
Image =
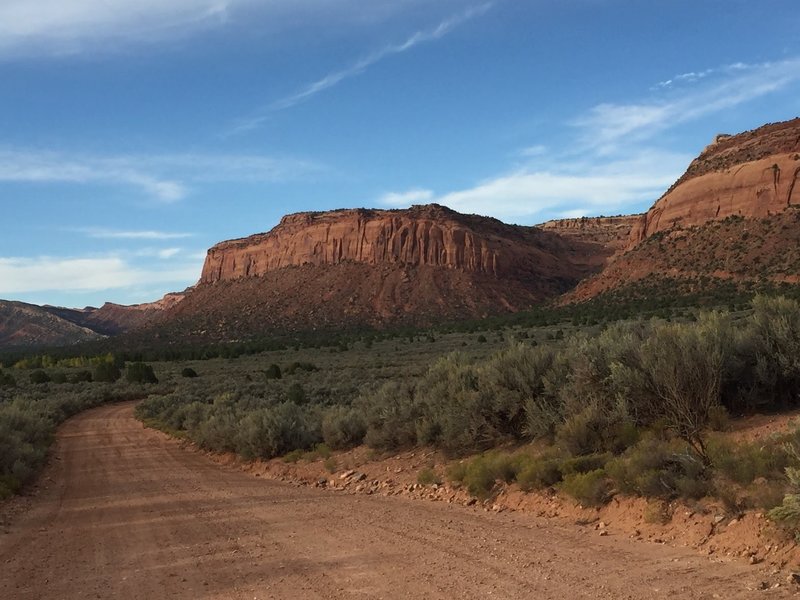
273,372
140,373
296,394
656,468
106,372
343,428
39,377
540,473
391,414
293,368
80,377
743,463
428,476
590,489
7,380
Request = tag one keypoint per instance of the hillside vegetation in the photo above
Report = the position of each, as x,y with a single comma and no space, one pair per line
626,408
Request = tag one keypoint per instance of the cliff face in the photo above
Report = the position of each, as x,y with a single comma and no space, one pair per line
753,175
421,236
612,232
374,268
733,217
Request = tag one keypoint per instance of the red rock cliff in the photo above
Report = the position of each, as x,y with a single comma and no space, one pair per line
752,174
420,236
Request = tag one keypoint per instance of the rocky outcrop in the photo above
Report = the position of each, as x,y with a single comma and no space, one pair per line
753,175
349,269
432,236
113,319
612,232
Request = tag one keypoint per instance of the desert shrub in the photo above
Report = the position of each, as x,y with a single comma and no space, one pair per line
590,489
683,368
540,473
768,373
39,377
7,380
321,450
657,512
516,382
140,373
189,373
296,394
483,472
456,472
657,468
293,368
80,377
273,372
293,456
343,427
106,372
272,432
765,495
583,464
330,464
593,431
428,476
743,463
59,377
390,415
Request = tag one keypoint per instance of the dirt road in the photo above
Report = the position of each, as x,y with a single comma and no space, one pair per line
126,513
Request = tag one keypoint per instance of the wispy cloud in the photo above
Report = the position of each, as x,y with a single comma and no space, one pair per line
572,188
612,160
40,167
45,273
607,125
66,27
359,67
113,234
166,178
415,196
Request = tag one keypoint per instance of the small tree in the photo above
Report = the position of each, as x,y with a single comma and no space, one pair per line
140,373
273,372
683,368
39,377
106,372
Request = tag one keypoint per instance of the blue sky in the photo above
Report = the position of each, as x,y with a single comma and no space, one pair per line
134,134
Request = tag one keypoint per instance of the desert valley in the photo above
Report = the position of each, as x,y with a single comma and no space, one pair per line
578,377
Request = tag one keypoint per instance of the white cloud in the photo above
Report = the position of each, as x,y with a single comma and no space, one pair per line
416,196
607,125
605,188
360,66
614,165
28,275
66,26
165,178
113,234
168,253
533,151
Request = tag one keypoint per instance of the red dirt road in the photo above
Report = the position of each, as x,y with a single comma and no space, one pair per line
124,512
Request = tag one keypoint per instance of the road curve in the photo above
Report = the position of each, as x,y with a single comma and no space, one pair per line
126,513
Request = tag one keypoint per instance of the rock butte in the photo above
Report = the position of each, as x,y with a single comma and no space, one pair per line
753,174
422,236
